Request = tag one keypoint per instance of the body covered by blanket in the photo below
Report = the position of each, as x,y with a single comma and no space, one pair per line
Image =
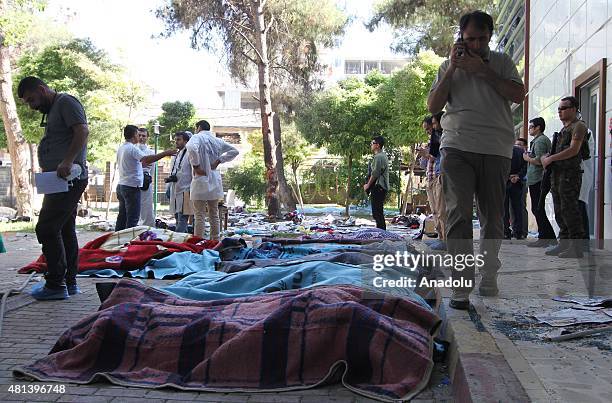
289,340
179,264
206,286
133,255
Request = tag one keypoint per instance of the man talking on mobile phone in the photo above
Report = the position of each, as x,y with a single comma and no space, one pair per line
477,87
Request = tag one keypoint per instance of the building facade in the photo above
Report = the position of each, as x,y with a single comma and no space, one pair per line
567,50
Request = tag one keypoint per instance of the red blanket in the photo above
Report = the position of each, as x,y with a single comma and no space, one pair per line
379,345
134,256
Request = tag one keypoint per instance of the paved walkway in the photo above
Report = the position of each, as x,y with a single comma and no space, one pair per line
577,370
31,328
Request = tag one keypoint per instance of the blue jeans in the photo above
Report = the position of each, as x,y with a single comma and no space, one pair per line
129,207
181,222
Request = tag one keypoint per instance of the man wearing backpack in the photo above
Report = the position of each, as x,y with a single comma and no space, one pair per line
566,180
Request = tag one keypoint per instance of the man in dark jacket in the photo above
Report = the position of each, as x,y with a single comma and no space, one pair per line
514,194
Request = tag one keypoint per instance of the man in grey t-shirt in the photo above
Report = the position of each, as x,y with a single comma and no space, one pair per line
477,87
63,145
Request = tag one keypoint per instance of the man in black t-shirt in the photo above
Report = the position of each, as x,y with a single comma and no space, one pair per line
63,146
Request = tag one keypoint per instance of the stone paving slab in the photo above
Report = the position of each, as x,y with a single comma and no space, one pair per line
570,371
31,328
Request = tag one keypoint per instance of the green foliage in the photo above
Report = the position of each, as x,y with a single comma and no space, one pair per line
295,147
248,180
16,18
176,116
77,67
426,24
403,99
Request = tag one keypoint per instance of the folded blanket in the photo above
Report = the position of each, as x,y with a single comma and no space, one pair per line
133,255
379,344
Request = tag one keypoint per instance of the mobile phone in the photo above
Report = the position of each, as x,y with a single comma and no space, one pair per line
460,51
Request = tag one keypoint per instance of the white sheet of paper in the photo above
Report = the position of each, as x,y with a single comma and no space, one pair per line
49,183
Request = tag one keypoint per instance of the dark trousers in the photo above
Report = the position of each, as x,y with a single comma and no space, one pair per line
129,207
513,200
55,230
545,229
377,198
565,189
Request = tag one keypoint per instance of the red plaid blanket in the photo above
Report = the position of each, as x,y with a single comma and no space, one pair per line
378,344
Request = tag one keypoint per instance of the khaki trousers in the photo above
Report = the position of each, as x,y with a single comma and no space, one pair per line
465,175
201,208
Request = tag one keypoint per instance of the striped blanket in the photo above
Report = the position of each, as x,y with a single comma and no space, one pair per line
378,345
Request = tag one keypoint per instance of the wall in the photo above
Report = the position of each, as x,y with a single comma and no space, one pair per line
568,37
6,195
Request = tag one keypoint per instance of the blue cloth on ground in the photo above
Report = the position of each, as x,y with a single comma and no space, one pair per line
207,286
179,264
271,250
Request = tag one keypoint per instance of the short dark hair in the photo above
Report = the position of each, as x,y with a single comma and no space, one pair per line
29,83
185,135
522,140
539,122
380,140
438,116
572,100
204,125
130,131
479,18
428,120
143,129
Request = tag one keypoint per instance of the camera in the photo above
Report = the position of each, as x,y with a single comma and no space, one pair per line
460,51
171,179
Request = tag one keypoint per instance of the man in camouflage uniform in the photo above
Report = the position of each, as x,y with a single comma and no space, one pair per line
566,180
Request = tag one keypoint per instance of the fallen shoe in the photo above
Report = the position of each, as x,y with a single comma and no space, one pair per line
41,292
459,304
73,289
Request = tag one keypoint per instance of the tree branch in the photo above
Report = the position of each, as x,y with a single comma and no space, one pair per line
249,58
269,25
250,43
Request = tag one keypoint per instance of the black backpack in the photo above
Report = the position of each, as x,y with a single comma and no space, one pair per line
585,153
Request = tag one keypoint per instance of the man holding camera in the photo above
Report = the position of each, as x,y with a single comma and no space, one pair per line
130,160
477,87
179,182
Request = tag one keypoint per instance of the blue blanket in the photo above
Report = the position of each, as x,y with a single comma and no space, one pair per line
206,286
179,264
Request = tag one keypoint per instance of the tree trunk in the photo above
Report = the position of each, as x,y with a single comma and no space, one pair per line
294,168
265,104
285,193
17,146
348,185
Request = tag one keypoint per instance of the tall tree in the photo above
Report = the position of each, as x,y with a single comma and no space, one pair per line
343,119
295,152
15,17
78,67
425,24
275,38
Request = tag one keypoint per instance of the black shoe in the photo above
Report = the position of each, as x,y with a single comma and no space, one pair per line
561,247
459,304
508,236
574,251
542,243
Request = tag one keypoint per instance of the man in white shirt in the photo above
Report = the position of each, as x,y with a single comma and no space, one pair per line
206,152
130,160
146,192
179,182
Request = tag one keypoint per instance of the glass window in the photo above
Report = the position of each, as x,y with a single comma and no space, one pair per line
352,67
370,65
